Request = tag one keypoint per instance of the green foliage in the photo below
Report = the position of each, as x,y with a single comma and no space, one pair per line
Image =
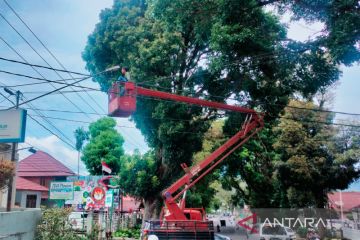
301,231
105,144
314,158
341,20
245,53
138,175
128,233
55,225
294,164
81,136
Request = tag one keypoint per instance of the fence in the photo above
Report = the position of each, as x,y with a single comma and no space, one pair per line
103,221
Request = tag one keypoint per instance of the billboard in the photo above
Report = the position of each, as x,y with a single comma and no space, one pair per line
61,190
90,193
12,125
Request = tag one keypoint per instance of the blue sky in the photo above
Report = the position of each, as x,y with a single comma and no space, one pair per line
63,25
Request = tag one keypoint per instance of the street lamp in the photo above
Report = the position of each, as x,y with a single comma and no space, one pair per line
30,149
9,91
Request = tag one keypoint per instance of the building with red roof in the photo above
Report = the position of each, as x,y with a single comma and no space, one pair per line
35,173
28,193
347,202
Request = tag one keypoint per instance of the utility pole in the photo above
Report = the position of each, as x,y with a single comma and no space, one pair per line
13,155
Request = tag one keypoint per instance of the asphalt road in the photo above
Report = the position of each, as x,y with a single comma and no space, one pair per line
233,234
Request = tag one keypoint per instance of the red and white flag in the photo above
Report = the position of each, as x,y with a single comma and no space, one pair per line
105,167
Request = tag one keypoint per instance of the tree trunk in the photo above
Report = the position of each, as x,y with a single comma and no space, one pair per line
152,208
320,204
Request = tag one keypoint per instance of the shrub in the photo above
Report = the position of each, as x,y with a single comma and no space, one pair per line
7,170
55,225
302,231
128,232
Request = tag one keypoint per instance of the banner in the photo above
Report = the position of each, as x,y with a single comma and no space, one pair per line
61,190
12,125
109,198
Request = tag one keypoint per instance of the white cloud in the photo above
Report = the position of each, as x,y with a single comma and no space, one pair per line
132,135
53,146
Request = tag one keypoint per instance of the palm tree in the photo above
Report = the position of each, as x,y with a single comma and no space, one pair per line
80,136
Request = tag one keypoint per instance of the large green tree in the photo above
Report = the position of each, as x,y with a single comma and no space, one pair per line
314,158
214,49
297,162
105,144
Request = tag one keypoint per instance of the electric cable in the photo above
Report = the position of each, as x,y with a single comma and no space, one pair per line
48,50
55,90
47,121
47,63
14,50
41,66
42,125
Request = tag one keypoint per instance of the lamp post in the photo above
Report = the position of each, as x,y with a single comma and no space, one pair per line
17,95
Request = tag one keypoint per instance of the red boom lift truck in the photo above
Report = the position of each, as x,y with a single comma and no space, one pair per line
177,221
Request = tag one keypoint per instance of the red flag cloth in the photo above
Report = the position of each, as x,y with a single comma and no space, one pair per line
105,167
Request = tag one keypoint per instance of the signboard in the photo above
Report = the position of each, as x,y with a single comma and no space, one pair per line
12,125
109,198
90,192
61,190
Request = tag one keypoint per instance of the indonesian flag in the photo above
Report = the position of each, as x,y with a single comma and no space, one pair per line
105,167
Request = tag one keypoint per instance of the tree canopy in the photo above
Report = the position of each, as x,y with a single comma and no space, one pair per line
216,50
105,144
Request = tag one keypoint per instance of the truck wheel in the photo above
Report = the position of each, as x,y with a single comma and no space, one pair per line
153,237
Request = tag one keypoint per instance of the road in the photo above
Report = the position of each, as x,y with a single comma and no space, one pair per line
233,234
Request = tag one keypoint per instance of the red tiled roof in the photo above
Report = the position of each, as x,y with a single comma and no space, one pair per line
350,200
41,164
24,184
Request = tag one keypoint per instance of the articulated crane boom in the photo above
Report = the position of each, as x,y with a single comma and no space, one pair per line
125,105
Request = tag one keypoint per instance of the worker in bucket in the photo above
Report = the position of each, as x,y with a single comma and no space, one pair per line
124,77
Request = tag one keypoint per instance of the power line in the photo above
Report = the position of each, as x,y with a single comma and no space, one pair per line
14,50
40,124
175,119
47,63
4,99
41,66
213,96
44,80
34,119
51,53
55,90
46,120
60,81
271,104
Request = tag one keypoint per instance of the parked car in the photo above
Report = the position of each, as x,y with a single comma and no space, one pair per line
270,232
290,233
78,220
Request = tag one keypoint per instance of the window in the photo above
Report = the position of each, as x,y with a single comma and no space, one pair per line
42,181
223,223
31,201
